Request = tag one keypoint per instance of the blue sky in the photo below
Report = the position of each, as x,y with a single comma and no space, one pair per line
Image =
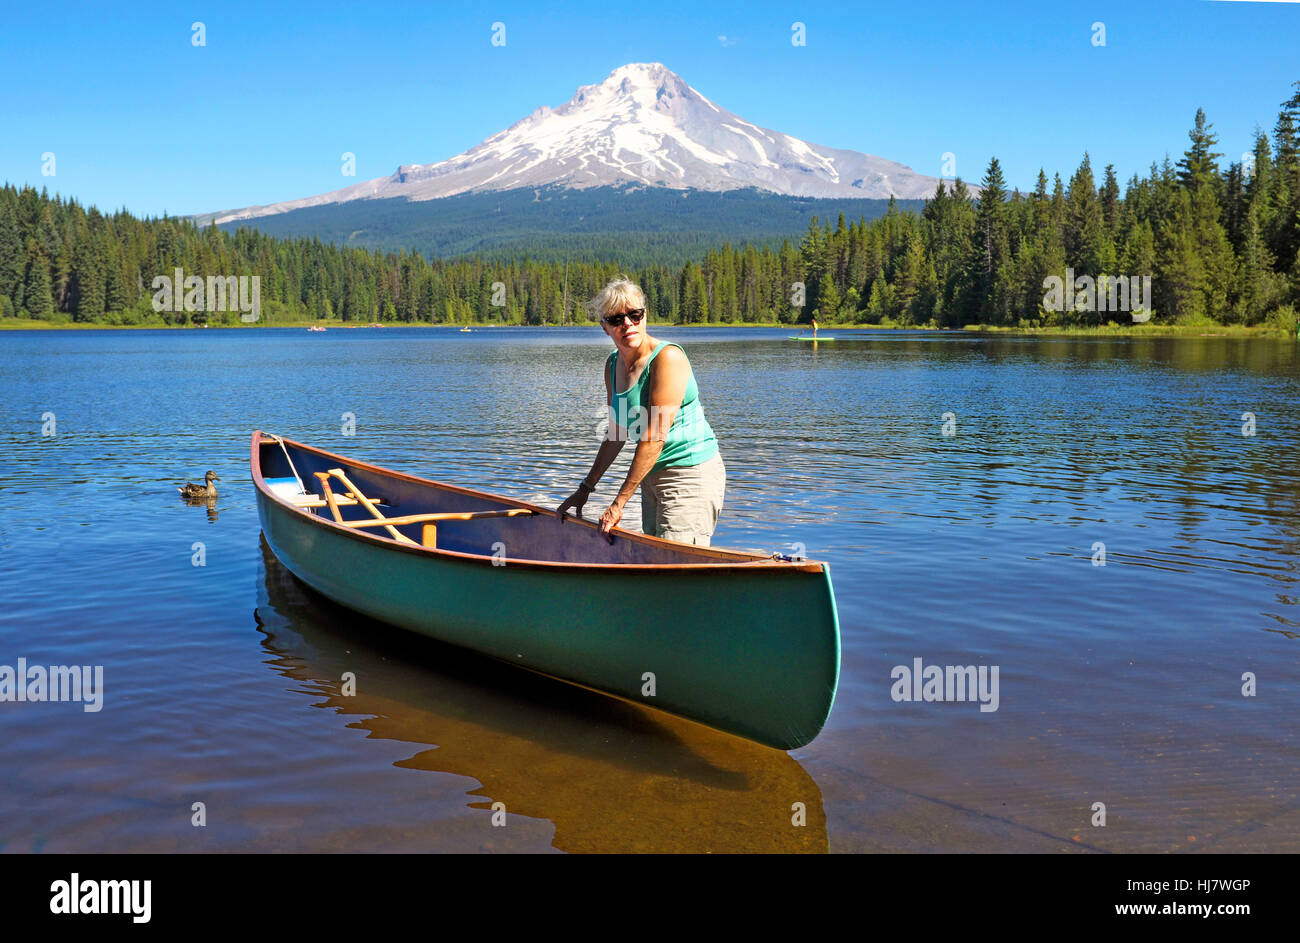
137,116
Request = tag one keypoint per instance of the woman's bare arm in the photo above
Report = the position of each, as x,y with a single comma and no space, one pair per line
605,455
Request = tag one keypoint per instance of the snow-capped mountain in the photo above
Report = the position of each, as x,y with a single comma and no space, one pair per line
643,126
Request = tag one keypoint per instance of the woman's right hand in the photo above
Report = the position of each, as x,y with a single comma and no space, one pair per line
575,501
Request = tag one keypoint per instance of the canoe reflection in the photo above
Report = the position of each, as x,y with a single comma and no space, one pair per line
609,775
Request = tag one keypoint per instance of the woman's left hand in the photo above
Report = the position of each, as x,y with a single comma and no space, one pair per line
613,514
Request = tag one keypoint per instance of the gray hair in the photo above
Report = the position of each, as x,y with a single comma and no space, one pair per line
620,293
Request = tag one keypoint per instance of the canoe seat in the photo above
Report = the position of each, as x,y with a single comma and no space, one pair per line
287,488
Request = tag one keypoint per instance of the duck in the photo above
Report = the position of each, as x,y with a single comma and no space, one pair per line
201,491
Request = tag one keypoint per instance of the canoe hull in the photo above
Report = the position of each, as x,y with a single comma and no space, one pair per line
749,649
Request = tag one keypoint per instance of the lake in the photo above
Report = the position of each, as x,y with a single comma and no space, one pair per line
1112,522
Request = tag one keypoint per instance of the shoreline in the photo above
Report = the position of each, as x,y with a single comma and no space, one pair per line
1110,330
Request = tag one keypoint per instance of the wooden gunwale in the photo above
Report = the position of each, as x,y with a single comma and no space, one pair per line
723,560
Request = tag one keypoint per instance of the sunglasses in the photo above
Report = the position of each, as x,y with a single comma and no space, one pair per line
616,320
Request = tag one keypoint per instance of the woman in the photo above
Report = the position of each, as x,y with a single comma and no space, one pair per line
652,397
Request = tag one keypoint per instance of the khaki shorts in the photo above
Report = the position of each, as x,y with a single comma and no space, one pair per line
683,502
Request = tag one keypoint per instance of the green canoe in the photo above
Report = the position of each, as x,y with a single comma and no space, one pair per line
741,642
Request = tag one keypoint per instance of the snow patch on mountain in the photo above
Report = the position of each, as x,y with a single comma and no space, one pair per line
641,125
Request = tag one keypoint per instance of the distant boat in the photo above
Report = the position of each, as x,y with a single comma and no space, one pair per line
376,324
809,337
465,330
315,329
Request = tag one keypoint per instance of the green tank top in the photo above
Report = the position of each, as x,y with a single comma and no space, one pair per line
690,438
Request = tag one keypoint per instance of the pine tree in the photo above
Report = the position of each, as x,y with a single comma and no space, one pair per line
1199,167
12,256
1254,289
1259,184
1286,132
1110,203
828,298
695,297
1177,290
1057,208
812,255
1083,233
1285,202
1139,254
877,302
911,281
1234,204
990,249
1217,261
115,299
680,315
39,303
88,278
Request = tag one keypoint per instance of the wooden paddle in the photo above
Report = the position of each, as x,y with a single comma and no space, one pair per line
365,502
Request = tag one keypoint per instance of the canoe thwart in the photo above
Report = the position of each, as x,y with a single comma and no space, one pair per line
450,516
311,501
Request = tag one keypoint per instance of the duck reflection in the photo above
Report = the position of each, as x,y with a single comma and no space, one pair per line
210,503
611,776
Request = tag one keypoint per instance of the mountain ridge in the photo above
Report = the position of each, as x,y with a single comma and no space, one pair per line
630,225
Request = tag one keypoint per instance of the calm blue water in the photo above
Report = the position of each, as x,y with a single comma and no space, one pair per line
1120,684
